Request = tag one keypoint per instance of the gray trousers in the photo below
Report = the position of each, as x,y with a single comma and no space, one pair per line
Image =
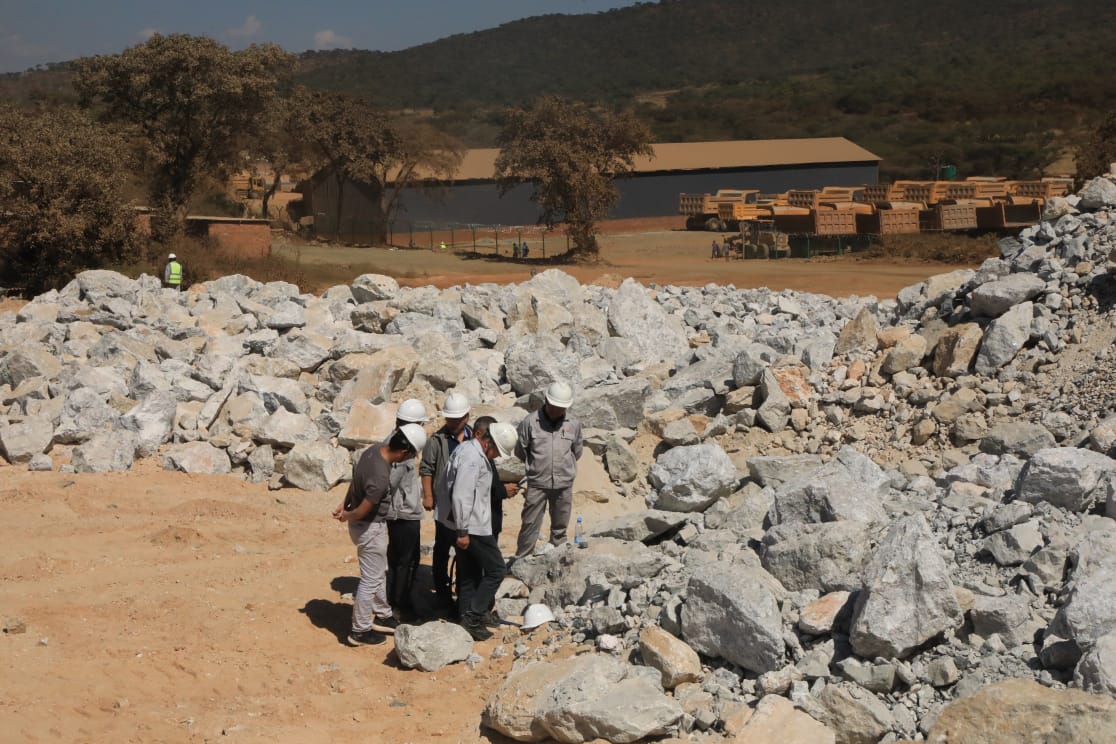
535,502
370,598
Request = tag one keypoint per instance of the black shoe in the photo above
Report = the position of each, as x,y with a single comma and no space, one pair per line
367,638
490,620
386,624
474,626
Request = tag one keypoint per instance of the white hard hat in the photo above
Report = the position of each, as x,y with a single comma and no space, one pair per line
412,410
415,435
456,406
504,436
172,256
559,394
536,615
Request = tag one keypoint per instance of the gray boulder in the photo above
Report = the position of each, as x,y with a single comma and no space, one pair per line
1099,193
601,697
197,457
1067,477
993,299
373,287
568,575
316,466
634,316
734,616
908,597
1004,337
1019,438
21,441
825,557
690,478
431,646
105,452
152,421
1096,672
850,487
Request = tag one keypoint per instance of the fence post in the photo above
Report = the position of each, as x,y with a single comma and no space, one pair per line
430,235
474,229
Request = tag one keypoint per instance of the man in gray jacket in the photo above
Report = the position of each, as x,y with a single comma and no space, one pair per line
550,444
480,567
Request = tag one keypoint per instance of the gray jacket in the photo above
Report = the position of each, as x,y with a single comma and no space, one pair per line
470,483
550,450
406,492
435,459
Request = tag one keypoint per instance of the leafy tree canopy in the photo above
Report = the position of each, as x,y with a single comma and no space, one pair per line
572,155
61,203
194,102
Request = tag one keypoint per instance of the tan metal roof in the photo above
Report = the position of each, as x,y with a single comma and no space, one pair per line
479,165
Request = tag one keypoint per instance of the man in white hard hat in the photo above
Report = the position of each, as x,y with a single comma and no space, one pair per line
404,519
480,567
172,273
435,495
365,509
550,444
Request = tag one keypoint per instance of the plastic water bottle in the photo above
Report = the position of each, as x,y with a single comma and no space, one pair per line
579,537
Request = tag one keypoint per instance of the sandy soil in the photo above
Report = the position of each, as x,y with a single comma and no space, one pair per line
655,250
153,606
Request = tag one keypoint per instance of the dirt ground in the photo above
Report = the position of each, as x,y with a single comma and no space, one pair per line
154,606
651,250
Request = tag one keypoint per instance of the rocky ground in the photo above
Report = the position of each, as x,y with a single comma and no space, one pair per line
846,519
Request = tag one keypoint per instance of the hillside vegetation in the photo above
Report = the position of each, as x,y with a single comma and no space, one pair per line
992,88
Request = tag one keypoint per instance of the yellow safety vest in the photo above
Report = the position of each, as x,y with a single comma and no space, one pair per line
174,278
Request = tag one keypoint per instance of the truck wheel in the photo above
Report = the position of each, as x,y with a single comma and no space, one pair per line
714,224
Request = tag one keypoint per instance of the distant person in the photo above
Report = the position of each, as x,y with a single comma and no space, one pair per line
523,249
716,249
550,444
442,245
515,249
172,274
365,509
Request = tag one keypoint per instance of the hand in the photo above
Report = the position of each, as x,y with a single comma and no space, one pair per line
463,542
339,511
510,490
428,503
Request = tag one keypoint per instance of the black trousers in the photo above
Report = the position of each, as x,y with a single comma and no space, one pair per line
404,544
444,538
480,569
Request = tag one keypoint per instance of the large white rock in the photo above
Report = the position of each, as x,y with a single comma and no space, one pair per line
431,646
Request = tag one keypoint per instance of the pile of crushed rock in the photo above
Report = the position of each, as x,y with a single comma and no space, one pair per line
852,520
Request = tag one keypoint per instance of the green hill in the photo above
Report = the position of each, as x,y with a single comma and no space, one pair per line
992,88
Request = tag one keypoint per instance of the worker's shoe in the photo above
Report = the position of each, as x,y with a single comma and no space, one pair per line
385,624
366,638
474,626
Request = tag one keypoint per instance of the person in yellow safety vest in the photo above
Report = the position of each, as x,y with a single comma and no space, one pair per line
172,274
443,245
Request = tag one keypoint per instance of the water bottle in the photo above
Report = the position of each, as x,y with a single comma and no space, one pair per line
579,538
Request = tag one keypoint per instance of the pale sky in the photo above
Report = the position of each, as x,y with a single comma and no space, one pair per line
37,32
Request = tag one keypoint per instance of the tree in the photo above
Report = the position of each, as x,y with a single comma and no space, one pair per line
61,203
351,139
572,155
1099,151
193,101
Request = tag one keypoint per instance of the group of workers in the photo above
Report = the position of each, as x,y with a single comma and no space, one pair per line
456,478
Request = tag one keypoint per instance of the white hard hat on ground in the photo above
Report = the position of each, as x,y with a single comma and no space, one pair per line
172,256
536,615
412,410
456,406
559,394
504,436
415,435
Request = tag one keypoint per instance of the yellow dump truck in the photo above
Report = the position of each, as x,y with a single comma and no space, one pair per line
703,211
